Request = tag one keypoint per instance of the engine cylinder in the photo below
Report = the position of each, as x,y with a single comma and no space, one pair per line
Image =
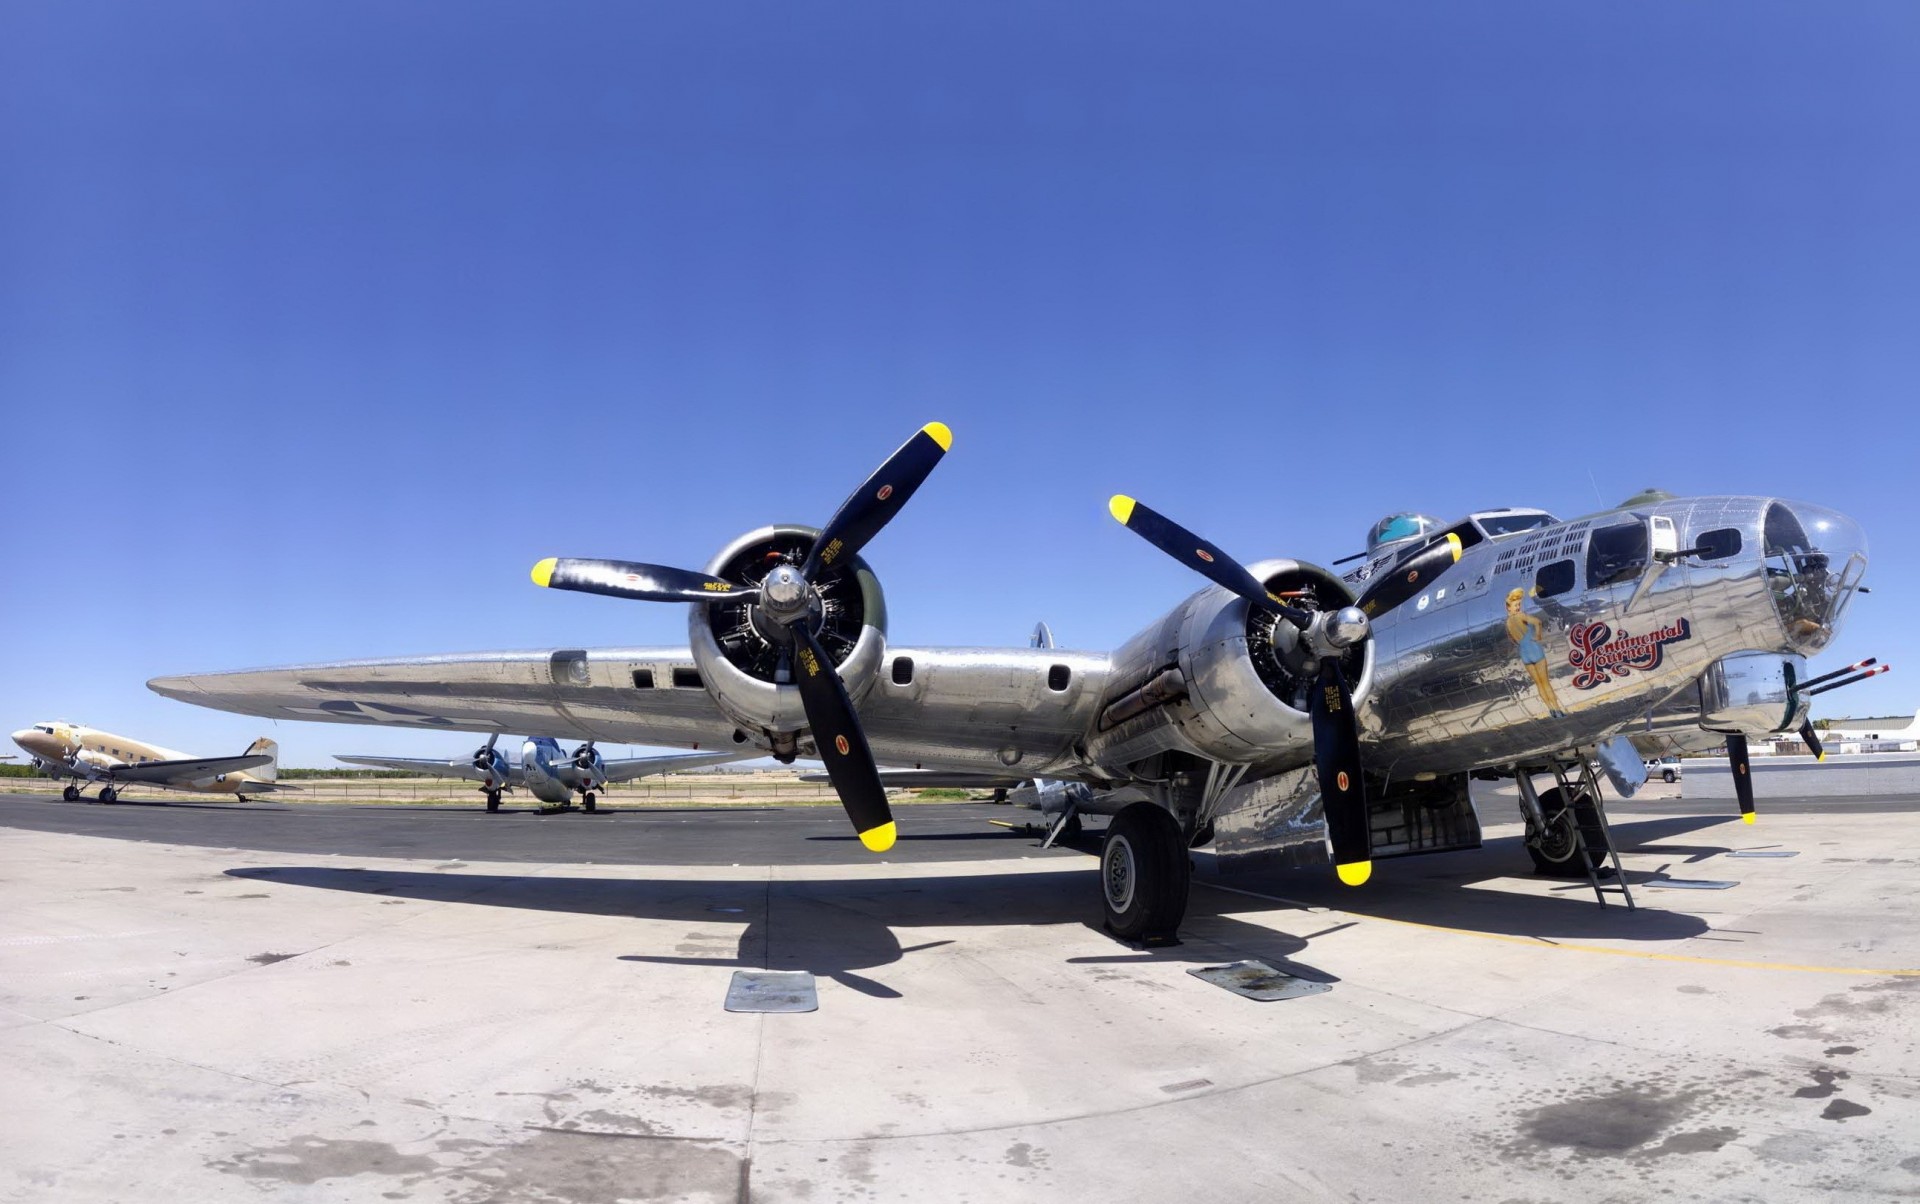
739,651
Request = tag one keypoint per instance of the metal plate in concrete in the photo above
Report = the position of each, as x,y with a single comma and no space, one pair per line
1764,853
772,991
1689,884
1258,980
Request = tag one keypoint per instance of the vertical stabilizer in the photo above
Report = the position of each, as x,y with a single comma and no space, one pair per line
270,772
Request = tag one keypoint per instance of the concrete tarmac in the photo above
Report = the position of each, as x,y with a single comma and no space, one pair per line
200,1002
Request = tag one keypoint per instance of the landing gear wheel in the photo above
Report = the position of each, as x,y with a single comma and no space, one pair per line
1144,874
493,800
1555,852
71,794
107,794
586,802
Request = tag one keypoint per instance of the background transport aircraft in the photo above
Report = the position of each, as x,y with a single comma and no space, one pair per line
89,755
549,774
1280,710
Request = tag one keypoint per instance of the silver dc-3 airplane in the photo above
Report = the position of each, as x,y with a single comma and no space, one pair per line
89,756
545,771
1279,710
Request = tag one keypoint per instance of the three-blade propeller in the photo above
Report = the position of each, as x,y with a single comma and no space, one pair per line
1336,734
785,600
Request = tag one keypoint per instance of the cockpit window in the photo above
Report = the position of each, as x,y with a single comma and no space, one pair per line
1496,525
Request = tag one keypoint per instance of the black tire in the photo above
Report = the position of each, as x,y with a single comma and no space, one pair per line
587,802
1144,874
1555,853
493,800
108,794
70,793
1669,777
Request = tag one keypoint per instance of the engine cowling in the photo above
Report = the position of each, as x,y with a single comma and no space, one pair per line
739,654
1221,679
492,762
589,764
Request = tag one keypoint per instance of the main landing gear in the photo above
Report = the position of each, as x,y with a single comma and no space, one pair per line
493,800
1144,874
1567,833
109,795
71,794
586,802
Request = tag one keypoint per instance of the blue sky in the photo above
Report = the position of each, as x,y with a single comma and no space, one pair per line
319,323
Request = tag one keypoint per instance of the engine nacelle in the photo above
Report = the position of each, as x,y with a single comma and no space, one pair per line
589,765
493,763
739,654
1222,680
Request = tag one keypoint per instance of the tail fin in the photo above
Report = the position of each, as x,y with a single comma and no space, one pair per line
270,772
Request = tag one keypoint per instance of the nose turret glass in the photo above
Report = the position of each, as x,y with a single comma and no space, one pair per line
1815,560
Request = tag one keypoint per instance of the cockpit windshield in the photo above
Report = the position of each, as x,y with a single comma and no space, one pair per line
1513,522
1815,560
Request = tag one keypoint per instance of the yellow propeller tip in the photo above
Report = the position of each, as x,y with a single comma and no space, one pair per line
938,432
1821,757
1355,873
543,572
880,839
1121,507
1747,818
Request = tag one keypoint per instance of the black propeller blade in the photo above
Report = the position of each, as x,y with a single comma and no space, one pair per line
1812,741
783,599
625,579
1393,586
1200,556
1742,775
1336,735
842,744
879,498
1336,759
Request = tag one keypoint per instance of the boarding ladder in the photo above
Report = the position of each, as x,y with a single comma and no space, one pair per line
1588,784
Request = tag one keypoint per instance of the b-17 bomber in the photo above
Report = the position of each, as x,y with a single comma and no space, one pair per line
1284,712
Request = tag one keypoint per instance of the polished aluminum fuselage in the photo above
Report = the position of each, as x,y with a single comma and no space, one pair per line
1515,654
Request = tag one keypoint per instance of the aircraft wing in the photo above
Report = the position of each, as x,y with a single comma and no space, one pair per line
460,768
163,773
968,709
628,768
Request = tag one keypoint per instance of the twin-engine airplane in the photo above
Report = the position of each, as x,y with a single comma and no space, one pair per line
89,755
546,772
1277,710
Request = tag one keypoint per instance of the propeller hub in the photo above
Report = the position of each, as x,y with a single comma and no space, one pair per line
1346,627
784,593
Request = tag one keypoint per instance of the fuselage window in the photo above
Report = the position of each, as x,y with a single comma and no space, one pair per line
1720,544
902,670
1059,677
1616,554
1555,578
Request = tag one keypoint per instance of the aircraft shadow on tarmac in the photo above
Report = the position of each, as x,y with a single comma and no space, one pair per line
839,927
